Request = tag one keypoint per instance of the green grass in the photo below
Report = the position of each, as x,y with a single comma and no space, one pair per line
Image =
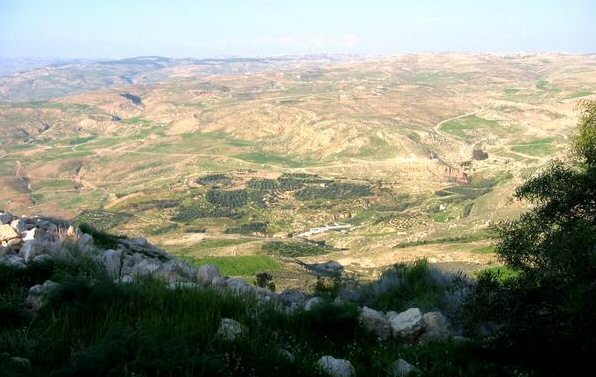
461,128
210,244
405,286
54,184
503,273
92,326
244,265
539,147
484,250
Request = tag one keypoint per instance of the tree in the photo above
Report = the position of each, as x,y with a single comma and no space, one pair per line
549,309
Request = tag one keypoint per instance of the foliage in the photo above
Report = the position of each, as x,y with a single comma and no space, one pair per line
334,190
102,219
93,326
229,199
585,142
547,307
403,286
265,280
296,249
262,184
248,228
188,214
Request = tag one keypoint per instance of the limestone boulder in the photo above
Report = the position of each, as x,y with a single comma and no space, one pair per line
375,322
406,325
336,367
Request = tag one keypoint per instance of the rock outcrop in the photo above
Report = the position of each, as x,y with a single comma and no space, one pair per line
336,367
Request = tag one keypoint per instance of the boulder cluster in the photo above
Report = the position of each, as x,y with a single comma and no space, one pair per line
27,239
411,325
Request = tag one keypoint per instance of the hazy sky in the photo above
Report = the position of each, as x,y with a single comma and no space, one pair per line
185,28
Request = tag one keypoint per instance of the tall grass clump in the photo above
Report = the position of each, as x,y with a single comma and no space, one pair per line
412,285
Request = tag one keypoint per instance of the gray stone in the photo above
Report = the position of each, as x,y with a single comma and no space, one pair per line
6,217
402,368
207,273
311,303
407,324
38,294
21,361
42,258
375,322
287,355
436,328
230,329
292,296
13,261
31,249
112,260
336,367
20,225
85,243
239,286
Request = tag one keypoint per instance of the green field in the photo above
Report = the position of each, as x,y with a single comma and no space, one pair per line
539,147
245,265
463,128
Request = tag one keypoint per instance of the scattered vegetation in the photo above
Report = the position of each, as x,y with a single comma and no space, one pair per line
249,228
188,214
102,219
334,190
229,199
296,249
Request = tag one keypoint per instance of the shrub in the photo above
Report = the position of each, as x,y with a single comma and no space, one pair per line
548,307
416,285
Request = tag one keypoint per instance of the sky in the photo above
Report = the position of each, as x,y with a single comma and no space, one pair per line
187,28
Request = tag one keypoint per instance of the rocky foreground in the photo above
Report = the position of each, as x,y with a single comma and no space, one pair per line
32,239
